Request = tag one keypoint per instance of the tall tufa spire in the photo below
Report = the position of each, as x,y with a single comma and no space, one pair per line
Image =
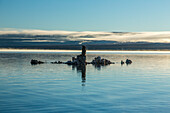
83,51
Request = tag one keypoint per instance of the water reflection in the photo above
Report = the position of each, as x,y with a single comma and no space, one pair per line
99,66
81,69
51,87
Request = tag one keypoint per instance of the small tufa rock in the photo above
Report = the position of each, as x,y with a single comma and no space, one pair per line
103,61
33,62
128,61
122,62
59,62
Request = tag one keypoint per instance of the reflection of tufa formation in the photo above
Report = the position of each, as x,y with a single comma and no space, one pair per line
79,63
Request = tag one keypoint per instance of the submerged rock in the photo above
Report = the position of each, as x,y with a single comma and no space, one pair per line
59,62
69,62
54,62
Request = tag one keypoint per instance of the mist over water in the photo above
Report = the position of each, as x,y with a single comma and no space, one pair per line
142,86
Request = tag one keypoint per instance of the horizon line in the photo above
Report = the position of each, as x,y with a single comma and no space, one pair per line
21,29
77,51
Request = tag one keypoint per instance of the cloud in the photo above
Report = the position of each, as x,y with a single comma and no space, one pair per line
88,36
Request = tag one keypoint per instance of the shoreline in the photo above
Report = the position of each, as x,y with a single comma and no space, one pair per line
77,51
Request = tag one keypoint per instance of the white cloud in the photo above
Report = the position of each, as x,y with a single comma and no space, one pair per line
162,37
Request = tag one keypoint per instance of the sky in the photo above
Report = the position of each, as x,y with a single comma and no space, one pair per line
86,15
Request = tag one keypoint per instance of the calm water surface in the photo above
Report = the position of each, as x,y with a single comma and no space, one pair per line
143,86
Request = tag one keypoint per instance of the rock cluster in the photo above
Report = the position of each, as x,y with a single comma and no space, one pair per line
128,61
80,59
98,60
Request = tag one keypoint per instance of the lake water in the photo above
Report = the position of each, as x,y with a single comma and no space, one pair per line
143,86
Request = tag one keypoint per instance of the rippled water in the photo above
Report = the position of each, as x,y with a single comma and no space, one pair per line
143,86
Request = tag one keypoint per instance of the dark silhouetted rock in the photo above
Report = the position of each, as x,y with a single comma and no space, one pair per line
122,62
59,62
83,51
101,61
128,61
54,62
80,59
69,62
36,62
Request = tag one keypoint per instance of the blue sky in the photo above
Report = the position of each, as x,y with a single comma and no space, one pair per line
86,15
